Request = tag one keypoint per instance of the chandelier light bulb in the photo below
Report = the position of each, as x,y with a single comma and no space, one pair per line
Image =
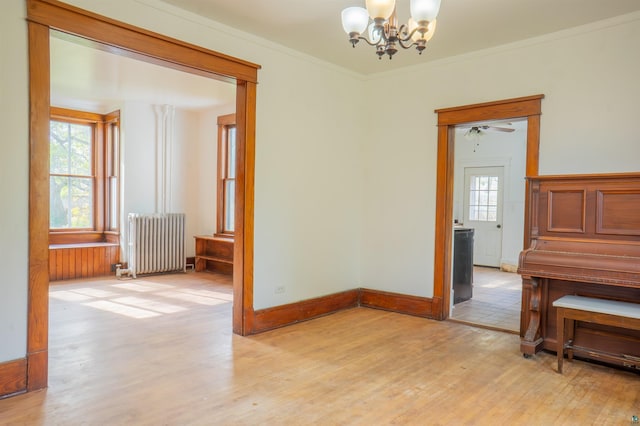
424,10
418,35
380,9
375,34
355,20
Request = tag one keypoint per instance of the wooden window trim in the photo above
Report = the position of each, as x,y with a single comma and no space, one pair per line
224,123
100,232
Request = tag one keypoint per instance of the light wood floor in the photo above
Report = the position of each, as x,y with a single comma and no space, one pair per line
496,301
174,361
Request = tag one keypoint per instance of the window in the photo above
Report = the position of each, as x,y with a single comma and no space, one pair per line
483,198
83,176
226,174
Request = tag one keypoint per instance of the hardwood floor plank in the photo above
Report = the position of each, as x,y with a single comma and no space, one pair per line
111,364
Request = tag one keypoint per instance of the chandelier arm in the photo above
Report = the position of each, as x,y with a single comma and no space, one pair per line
404,46
368,42
409,35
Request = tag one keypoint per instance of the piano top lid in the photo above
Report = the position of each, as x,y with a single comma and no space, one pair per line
590,177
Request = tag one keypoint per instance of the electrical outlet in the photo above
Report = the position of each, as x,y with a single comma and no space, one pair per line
280,289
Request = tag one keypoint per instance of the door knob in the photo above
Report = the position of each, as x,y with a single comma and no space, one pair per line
499,226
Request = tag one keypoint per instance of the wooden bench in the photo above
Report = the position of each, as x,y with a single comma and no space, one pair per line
601,311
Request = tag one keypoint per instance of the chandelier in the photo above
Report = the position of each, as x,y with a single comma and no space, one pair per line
383,31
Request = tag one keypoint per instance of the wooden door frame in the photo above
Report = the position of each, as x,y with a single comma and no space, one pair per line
528,107
123,39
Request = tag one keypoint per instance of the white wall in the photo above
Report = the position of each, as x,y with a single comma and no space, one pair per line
191,169
14,180
496,149
589,77
308,199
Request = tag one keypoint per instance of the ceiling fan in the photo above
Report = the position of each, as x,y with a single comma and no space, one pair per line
476,131
480,129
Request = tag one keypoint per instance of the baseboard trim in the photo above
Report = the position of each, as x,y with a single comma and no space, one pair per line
37,368
13,377
280,316
400,303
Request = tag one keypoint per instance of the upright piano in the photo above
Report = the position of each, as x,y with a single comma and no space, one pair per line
584,239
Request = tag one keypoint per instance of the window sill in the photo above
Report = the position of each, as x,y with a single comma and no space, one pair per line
227,237
82,245
83,238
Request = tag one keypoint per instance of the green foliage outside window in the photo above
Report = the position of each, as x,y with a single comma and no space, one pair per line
71,175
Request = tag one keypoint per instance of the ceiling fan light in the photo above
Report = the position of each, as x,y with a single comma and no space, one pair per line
380,8
424,10
355,20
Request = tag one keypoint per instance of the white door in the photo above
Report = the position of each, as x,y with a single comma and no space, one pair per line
483,212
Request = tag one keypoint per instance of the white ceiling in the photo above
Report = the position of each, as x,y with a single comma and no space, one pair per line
314,26
90,79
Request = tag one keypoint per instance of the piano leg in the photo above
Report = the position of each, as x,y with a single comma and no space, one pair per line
531,342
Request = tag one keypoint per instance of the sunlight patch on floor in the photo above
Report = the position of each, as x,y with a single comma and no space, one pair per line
94,292
201,300
208,293
143,287
117,308
69,296
151,305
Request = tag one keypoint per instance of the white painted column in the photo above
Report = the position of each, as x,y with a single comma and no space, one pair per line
165,118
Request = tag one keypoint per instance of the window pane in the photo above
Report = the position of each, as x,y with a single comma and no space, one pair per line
484,182
230,201
494,183
492,214
484,198
58,197
473,198
493,198
71,202
70,148
482,213
475,183
59,147
113,203
80,153
231,153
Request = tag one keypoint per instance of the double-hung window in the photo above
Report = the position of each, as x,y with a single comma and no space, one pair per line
226,175
83,177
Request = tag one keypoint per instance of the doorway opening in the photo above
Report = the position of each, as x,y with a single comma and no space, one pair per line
127,40
525,108
488,205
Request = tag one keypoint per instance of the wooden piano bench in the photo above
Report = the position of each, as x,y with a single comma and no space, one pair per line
589,309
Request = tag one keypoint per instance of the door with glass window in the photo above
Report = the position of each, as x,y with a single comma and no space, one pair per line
483,212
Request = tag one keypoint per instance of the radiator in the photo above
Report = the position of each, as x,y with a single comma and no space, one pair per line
156,243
